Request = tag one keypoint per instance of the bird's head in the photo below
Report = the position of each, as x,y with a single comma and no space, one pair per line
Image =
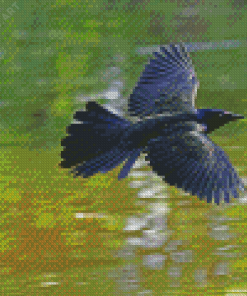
215,118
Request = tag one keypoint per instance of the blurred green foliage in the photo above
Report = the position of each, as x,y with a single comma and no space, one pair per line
50,53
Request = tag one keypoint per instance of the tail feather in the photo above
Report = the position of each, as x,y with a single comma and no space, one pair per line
129,163
93,144
102,163
96,112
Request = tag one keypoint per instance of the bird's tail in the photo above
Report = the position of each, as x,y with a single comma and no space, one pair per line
94,143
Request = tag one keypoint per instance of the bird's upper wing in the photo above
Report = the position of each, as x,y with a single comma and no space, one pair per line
168,84
189,160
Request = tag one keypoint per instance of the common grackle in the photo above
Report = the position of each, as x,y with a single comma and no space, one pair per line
170,130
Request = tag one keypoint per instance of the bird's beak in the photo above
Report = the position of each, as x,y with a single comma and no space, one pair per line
237,116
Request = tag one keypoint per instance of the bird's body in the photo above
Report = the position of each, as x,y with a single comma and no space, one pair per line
170,130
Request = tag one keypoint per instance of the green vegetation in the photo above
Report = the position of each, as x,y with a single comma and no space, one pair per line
53,51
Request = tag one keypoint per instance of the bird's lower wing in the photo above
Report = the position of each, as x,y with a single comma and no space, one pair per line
191,161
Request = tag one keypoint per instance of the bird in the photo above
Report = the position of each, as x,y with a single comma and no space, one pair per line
171,132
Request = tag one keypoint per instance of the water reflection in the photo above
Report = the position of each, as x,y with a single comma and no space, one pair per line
127,278
154,261
200,277
152,239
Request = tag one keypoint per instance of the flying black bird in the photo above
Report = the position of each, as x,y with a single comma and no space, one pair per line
170,130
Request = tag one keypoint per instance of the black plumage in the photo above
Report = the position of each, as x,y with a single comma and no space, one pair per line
170,130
